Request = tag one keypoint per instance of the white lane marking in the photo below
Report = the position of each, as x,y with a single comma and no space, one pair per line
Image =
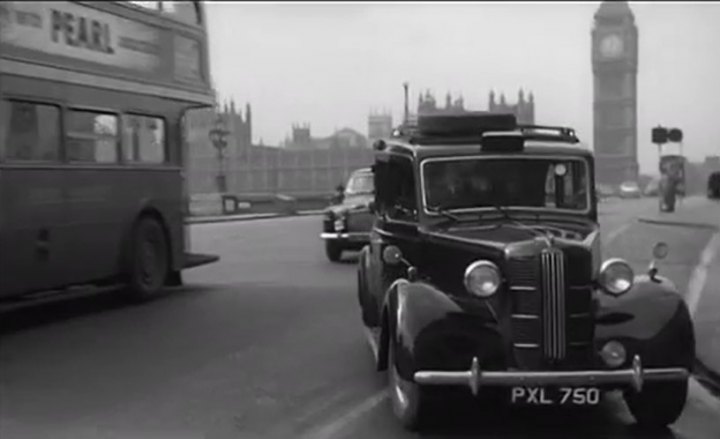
699,274
332,429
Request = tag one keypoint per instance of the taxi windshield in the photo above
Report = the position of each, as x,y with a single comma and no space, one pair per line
476,183
360,184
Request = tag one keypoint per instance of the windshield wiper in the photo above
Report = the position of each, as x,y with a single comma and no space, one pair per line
444,212
507,216
504,212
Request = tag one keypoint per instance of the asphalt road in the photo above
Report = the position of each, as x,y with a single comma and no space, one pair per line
266,343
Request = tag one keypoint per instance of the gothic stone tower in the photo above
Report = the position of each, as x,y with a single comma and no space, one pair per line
615,63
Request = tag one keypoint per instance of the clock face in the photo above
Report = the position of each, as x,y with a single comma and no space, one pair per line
611,46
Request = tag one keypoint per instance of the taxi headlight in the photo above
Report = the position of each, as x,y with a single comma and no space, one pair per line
339,224
482,278
616,277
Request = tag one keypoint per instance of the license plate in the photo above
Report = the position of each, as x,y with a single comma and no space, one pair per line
583,396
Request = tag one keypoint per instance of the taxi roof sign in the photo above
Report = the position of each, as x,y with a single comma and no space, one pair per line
503,141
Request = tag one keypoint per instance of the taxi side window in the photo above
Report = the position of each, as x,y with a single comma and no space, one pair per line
396,189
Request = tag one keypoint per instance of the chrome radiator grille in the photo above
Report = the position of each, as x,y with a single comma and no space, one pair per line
552,269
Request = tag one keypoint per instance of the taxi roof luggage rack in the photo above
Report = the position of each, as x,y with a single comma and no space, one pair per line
467,124
545,132
454,128
470,127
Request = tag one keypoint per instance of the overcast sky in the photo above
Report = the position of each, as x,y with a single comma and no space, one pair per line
330,64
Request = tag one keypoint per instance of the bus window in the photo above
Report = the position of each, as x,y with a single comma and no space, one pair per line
143,139
92,137
32,131
185,11
146,4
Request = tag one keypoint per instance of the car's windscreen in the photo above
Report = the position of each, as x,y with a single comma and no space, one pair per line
360,184
472,183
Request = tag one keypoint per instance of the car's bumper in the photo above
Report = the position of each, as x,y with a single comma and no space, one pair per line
633,377
358,237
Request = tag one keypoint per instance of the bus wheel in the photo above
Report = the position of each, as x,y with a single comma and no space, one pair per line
149,264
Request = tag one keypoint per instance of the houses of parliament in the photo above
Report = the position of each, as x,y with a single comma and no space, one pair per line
303,165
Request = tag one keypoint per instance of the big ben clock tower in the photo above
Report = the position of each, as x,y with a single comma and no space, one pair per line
615,62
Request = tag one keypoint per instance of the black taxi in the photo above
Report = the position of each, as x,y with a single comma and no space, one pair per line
347,222
484,271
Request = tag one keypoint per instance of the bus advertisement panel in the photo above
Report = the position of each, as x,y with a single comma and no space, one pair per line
109,40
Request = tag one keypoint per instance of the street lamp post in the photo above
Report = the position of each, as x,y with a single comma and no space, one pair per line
407,102
218,137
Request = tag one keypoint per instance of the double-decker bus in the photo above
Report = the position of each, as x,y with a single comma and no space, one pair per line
93,97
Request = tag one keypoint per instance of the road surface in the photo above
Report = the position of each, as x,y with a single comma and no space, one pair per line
266,343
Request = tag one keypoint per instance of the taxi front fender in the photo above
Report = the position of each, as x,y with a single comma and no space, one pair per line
651,320
430,328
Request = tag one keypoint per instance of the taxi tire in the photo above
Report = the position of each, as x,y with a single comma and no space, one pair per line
369,318
658,404
417,412
333,251
149,262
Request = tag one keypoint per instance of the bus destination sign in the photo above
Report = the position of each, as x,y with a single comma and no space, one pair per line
80,32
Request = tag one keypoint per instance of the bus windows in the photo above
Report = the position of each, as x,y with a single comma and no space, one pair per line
146,4
185,11
92,137
143,139
31,131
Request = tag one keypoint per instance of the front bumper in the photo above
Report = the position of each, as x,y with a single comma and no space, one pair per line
634,377
346,236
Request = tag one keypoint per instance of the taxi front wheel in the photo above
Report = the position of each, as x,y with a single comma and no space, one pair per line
658,404
410,402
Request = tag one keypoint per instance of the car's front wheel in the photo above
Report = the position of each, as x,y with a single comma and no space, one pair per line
410,401
333,251
658,404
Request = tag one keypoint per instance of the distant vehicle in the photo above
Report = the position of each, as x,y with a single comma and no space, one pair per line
484,272
713,186
630,189
605,191
92,153
347,223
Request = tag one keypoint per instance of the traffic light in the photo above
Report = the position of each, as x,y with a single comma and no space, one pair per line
675,135
659,135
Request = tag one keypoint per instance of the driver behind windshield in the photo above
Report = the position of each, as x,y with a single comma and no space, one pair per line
443,186
477,183
360,184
